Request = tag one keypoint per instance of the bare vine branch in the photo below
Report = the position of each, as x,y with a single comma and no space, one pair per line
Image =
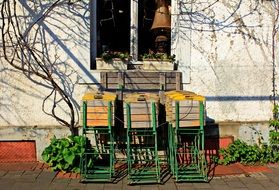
21,50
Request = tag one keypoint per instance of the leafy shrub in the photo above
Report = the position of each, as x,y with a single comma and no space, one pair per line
159,56
239,151
64,154
274,133
274,137
274,123
109,55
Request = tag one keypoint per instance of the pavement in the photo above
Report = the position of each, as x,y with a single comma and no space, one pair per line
37,176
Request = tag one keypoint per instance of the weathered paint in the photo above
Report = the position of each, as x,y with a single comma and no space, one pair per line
230,67
40,134
251,132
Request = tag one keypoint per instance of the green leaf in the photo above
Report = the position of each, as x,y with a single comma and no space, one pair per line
64,154
45,156
68,156
76,170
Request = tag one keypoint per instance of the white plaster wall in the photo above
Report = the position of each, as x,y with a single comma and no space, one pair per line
41,135
230,65
227,66
66,31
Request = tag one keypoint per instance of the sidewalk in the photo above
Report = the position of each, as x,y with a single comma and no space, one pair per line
36,176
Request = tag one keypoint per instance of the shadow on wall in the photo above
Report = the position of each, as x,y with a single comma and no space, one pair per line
239,98
68,14
59,37
213,142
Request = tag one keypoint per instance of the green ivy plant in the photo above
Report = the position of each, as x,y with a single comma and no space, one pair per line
158,56
274,123
64,154
240,151
274,137
109,55
273,132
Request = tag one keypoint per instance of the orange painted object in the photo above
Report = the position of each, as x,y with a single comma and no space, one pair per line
212,145
99,109
189,108
253,168
222,170
224,142
18,151
96,122
141,109
142,117
237,169
189,123
97,114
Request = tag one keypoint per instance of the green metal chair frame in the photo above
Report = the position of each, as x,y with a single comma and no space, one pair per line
149,171
99,173
196,167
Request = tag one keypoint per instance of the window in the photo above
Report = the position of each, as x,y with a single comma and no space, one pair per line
113,23
154,26
135,27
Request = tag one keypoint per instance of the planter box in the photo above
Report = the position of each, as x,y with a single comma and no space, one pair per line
155,65
114,64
